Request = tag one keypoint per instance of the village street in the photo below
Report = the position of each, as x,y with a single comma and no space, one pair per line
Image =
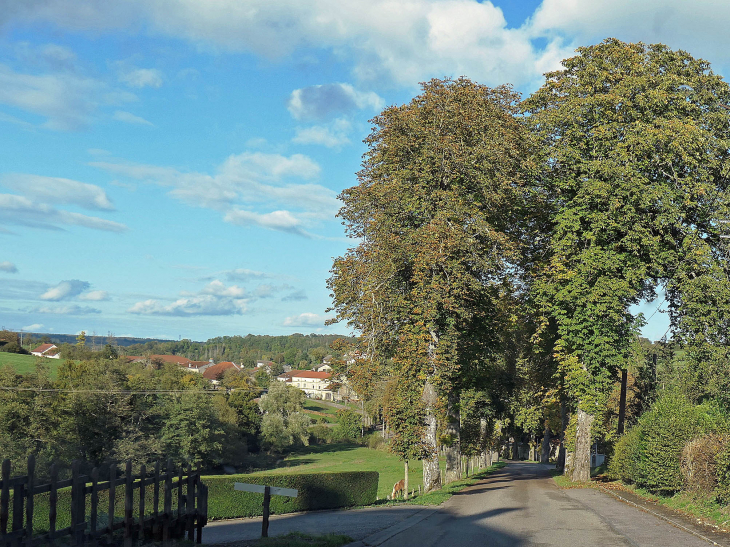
517,506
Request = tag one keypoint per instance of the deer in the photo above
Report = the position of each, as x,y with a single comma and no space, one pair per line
398,488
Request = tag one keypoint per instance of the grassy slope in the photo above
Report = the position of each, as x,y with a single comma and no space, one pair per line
345,457
316,409
23,364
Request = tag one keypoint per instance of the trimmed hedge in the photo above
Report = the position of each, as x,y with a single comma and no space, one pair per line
316,491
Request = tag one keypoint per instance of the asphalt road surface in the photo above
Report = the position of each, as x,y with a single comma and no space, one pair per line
517,506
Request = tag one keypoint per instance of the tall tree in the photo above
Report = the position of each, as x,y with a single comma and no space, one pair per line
432,213
636,149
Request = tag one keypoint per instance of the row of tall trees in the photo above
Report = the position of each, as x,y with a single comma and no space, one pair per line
504,242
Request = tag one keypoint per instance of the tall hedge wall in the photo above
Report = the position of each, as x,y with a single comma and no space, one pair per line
316,491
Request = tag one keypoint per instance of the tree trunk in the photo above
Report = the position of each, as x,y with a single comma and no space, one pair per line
545,454
622,403
563,426
452,450
582,455
483,442
405,482
431,473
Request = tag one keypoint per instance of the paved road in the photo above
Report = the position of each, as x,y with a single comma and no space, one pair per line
518,506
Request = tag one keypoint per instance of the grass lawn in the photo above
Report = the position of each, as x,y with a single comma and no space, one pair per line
23,364
316,409
347,457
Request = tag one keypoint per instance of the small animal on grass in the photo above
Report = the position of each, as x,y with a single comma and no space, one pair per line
398,488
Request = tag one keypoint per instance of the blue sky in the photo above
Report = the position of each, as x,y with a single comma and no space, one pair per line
170,167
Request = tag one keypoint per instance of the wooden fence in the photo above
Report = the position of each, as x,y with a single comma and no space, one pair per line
128,516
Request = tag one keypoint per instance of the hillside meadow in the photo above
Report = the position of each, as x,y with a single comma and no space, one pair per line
23,364
339,457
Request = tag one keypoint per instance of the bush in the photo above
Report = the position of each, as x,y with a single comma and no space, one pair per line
321,434
722,471
14,347
624,463
348,425
316,491
664,430
698,464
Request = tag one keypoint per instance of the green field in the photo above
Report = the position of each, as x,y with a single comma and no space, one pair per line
23,364
347,457
317,409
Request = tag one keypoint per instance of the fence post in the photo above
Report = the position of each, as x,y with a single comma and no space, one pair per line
180,522
265,521
29,502
5,497
190,505
53,503
128,518
156,503
78,504
202,510
112,496
142,476
94,504
167,515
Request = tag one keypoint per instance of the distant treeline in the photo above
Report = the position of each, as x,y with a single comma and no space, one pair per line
297,350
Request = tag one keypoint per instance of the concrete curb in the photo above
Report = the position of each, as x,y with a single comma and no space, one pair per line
378,538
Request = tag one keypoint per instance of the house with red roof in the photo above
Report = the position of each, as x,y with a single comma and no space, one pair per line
47,350
314,384
214,373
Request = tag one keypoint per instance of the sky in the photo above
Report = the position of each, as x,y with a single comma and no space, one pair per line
170,168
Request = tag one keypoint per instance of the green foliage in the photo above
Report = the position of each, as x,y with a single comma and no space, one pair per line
315,491
665,429
722,462
624,464
14,347
348,425
283,423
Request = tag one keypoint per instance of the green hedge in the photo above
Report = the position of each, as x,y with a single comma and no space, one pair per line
316,491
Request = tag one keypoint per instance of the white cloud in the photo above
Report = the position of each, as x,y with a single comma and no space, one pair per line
333,135
65,289
282,221
214,299
55,190
20,210
305,320
318,102
141,77
35,327
67,100
128,117
94,296
392,40
251,189
65,310
190,306
8,267
296,296
217,288
243,274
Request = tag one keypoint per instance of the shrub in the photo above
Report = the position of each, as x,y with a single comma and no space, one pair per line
321,434
14,347
348,425
698,464
624,463
664,430
722,472
315,491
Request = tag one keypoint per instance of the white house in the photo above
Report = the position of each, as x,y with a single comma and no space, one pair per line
47,350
